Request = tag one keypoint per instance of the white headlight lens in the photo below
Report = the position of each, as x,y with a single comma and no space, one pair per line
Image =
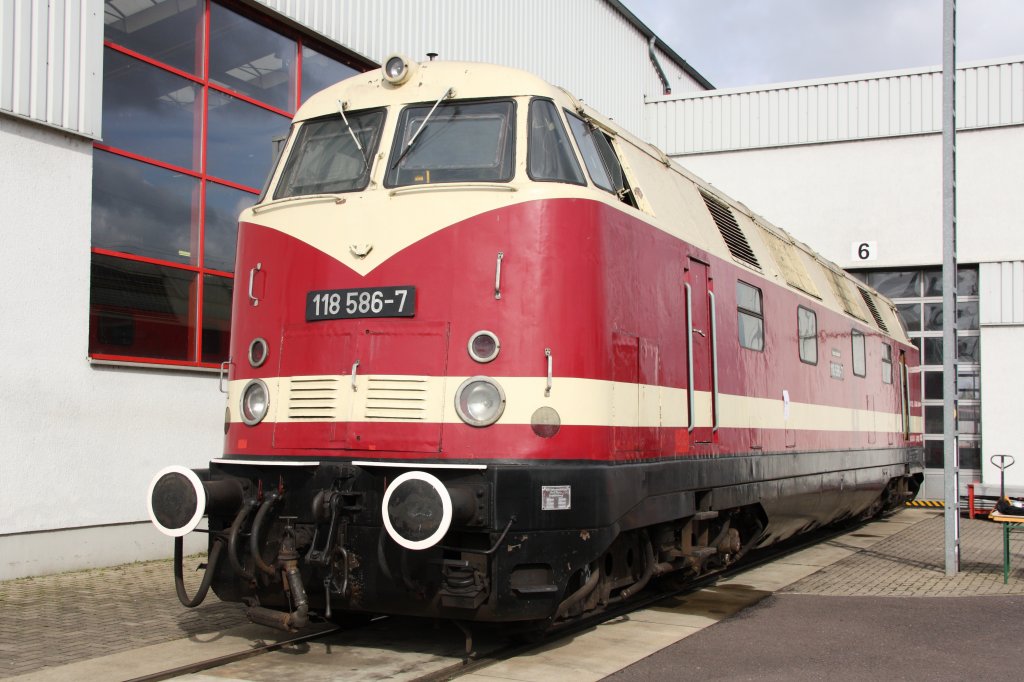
479,401
255,402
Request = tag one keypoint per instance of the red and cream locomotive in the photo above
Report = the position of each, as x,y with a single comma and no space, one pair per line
495,359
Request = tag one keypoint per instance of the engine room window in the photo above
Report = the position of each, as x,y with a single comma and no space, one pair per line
807,330
859,356
750,316
325,158
886,363
550,155
458,142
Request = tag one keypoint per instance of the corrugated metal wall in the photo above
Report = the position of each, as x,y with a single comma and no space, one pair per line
903,103
51,62
1002,293
585,46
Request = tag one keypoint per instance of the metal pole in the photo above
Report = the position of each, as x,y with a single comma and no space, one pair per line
951,460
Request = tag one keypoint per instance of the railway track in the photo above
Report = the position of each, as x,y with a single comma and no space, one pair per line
495,646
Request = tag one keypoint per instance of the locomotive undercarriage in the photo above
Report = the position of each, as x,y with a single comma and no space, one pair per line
294,542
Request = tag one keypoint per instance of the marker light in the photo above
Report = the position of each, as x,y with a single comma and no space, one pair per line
396,69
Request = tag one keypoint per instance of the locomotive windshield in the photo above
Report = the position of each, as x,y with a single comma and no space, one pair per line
325,158
459,142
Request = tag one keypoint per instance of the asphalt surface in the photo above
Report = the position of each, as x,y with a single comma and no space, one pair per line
797,637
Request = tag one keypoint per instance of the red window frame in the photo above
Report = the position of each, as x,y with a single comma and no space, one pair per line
199,271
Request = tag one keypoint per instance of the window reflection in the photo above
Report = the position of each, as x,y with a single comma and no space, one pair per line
970,454
320,71
967,281
896,283
149,111
240,141
968,348
143,209
933,454
216,318
933,282
933,317
911,315
223,204
252,59
933,389
932,351
165,30
139,309
967,315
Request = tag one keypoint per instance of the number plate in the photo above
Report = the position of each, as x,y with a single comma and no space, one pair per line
341,304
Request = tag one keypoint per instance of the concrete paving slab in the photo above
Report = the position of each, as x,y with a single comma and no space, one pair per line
159,657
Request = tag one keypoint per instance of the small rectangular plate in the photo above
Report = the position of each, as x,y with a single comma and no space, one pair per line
343,304
555,497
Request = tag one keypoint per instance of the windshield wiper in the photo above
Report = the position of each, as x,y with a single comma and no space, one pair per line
341,110
450,92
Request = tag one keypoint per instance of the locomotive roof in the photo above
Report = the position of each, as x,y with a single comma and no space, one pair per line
427,81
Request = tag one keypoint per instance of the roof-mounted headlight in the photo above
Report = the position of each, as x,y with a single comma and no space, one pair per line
396,69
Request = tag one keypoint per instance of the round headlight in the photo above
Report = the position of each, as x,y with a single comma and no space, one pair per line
479,401
255,402
257,352
396,69
484,346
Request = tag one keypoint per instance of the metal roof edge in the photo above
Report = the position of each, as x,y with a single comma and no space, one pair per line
835,80
659,43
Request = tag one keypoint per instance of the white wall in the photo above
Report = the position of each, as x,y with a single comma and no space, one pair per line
887,190
1002,373
79,442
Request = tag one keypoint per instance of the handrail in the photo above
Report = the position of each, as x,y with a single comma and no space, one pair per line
689,358
714,365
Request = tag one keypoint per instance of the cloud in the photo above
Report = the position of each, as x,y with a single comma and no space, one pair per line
745,42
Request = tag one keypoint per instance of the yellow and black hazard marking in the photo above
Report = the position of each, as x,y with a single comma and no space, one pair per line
927,503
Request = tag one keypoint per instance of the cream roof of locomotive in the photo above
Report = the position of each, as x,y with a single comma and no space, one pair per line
427,82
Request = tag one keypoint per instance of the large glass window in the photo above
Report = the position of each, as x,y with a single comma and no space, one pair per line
917,294
163,30
750,316
184,150
454,142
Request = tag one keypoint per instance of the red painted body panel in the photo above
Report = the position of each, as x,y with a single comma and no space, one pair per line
600,287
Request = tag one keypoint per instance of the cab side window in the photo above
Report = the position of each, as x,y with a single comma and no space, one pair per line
550,156
600,159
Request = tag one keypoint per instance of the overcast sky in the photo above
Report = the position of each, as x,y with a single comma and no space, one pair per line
745,42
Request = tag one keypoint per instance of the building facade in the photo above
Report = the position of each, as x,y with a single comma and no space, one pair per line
134,131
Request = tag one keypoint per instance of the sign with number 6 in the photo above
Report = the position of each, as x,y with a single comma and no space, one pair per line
863,251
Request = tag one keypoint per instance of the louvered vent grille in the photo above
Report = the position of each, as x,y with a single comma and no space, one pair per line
313,398
396,398
870,301
731,231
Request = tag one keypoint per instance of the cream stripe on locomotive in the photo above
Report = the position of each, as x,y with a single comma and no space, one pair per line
579,402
